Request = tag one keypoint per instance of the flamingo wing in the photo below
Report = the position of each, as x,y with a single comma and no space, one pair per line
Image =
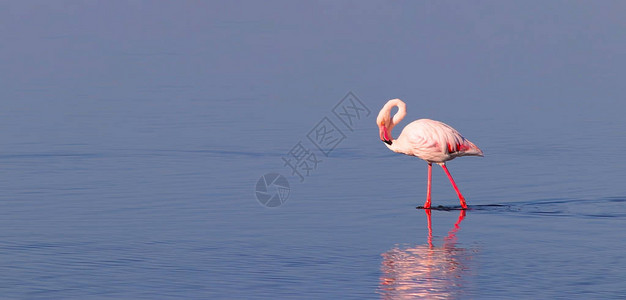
436,141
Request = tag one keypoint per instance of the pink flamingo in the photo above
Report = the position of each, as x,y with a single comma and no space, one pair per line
432,141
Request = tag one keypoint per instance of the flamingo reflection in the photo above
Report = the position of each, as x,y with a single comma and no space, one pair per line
426,271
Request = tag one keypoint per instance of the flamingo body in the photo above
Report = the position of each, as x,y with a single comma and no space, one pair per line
433,141
430,140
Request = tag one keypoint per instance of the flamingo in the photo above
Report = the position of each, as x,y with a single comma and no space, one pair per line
429,140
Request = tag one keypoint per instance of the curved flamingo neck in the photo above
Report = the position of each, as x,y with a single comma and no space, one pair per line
385,112
401,110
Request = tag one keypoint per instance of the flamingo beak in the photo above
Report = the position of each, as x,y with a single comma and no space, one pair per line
383,134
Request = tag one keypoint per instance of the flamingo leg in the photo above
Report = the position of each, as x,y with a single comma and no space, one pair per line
430,176
461,199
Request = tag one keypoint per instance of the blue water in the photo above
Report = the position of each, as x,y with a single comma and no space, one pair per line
133,136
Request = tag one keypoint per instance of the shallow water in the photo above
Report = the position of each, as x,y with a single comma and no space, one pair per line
131,153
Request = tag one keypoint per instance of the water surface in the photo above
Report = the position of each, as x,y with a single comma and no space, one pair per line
132,137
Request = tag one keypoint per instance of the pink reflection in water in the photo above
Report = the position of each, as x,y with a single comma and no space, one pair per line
426,271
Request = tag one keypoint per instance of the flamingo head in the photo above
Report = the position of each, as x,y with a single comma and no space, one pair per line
385,125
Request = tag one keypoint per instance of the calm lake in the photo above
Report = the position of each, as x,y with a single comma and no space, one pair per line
140,142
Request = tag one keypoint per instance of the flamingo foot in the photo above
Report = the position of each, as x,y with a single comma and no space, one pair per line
426,205
442,208
463,204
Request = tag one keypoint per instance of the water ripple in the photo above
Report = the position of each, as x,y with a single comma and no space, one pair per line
580,208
